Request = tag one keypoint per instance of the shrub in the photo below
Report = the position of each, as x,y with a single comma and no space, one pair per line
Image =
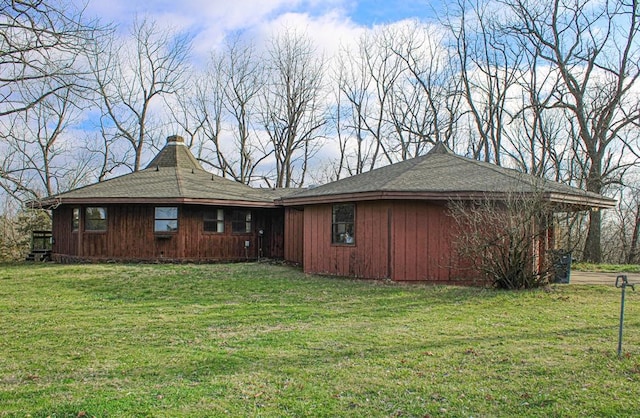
506,241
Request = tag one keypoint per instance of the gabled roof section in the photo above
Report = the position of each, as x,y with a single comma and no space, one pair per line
443,175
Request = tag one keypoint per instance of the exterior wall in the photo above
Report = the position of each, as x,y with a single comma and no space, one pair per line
64,240
422,243
294,235
130,236
399,240
367,258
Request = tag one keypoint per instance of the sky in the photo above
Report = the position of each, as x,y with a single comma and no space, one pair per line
328,22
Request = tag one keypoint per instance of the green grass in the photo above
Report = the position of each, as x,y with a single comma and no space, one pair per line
607,268
269,341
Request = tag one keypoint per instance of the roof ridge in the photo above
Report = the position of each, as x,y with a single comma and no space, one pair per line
440,148
179,181
511,172
403,166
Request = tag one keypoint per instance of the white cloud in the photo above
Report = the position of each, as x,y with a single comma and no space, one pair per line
210,21
327,31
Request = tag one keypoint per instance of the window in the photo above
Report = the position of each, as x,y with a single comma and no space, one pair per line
214,220
166,220
342,224
75,219
241,221
95,219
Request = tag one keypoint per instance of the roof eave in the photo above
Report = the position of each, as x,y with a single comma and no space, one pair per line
52,203
574,201
582,202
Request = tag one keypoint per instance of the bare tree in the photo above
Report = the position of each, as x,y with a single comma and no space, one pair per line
594,48
426,108
366,79
38,159
240,79
131,77
398,94
293,106
219,111
489,64
537,138
621,237
351,113
16,225
40,43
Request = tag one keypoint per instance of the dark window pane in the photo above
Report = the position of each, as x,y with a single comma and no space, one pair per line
214,220
343,213
96,219
241,221
342,226
166,219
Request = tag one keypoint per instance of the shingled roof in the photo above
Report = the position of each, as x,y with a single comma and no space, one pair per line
173,176
443,175
175,155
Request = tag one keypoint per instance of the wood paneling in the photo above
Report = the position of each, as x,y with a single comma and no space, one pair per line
130,236
422,243
64,240
293,235
368,257
401,240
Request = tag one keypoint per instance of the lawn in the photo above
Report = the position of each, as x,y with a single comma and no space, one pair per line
262,340
607,268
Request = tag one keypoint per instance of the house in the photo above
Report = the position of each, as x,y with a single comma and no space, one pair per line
391,222
171,210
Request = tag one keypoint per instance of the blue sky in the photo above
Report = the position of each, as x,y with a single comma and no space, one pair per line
373,12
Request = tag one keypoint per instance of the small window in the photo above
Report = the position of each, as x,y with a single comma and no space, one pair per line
75,219
214,220
166,220
95,219
342,224
241,221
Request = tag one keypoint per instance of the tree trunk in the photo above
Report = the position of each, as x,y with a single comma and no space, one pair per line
592,249
633,250
592,246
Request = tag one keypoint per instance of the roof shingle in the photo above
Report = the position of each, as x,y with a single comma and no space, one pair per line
175,175
442,173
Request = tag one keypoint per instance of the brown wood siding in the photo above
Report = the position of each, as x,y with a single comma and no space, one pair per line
422,240
368,257
294,235
401,240
130,236
64,239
